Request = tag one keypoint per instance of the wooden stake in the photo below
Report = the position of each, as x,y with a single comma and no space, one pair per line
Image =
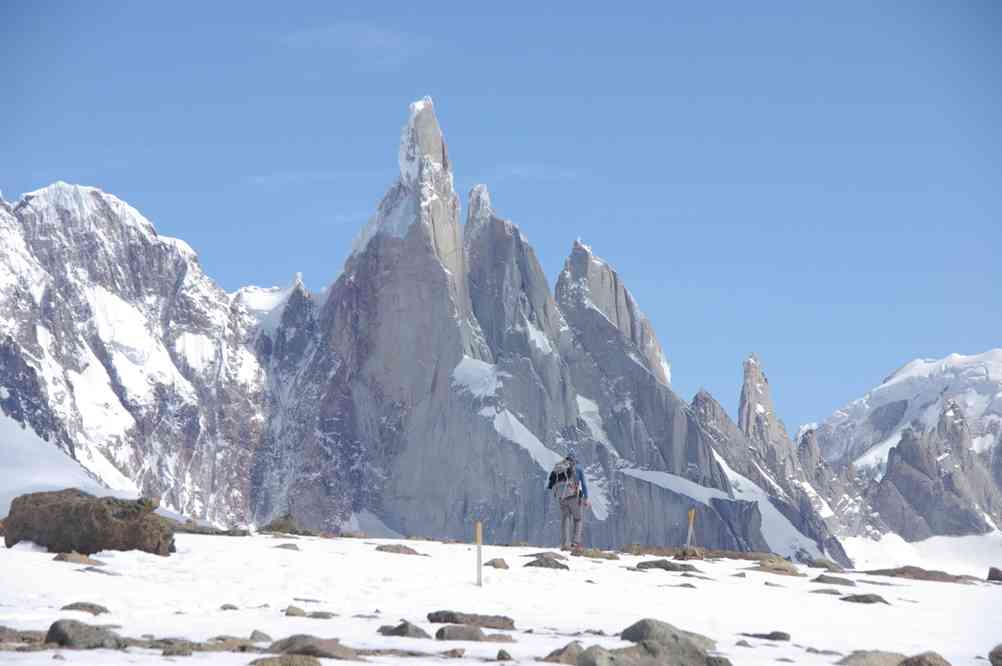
692,520
480,556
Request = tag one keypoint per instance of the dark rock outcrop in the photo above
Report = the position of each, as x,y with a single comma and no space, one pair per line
472,619
73,521
80,636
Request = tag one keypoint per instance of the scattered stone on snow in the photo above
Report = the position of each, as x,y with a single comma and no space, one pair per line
995,656
667,565
661,632
85,607
566,655
594,553
396,548
287,525
872,658
295,611
829,653
405,629
827,590
460,632
926,659
548,554
99,571
822,563
503,656
994,574
496,563
865,599
321,615
918,573
287,546
260,637
777,565
743,643
176,651
455,653
825,579
547,563
311,646
771,636
287,660
228,607
474,619
769,584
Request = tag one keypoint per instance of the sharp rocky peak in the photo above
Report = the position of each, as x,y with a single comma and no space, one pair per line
421,138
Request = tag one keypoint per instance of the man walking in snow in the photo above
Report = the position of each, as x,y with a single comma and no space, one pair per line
567,482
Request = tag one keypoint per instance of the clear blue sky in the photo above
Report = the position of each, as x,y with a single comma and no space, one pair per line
817,182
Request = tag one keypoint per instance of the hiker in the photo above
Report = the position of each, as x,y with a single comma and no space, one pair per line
567,482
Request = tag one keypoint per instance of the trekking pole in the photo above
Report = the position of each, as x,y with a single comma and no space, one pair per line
480,557
692,520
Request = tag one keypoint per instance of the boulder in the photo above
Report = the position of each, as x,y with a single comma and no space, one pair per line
177,651
771,636
777,565
666,565
404,629
287,660
85,607
503,656
995,574
872,658
454,653
549,554
80,636
311,646
825,579
594,553
260,637
8,635
566,655
827,590
286,524
865,599
398,549
496,563
228,607
321,615
650,653
918,573
295,611
460,632
70,520
547,563
926,659
995,656
77,558
661,632
474,619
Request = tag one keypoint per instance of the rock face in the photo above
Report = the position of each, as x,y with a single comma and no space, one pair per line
73,521
434,383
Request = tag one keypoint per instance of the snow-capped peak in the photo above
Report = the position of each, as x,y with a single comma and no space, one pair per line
266,304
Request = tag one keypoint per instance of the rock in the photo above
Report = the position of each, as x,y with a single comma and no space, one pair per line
661,632
503,656
287,660
865,599
455,653
547,563
549,554
768,584
474,619
77,558
80,636
771,636
830,591
995,574
287,546
825,579
499,638
743,643
191,527
307,600
321,615
594,553
667,565
497,563
777,565
85,607
228,607
260,637
925,659
286,524
460,632
690,553
689,586
311,646
176,651
822,563
918,573
70,520
741,574
8,635
871,658
405,629
295,611
650,653
995,656
830,653
399,549
566,655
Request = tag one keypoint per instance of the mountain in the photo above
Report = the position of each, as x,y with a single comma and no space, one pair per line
434,383
926,445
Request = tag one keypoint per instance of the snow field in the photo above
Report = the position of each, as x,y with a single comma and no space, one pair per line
348,577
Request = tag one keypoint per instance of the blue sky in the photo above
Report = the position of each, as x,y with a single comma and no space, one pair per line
816,182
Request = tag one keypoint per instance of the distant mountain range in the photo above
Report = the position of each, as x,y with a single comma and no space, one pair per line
436,382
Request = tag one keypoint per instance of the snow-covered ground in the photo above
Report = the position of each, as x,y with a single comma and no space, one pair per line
181,596
970,555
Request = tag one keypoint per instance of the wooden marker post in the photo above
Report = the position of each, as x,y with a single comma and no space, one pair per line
480,555
692,522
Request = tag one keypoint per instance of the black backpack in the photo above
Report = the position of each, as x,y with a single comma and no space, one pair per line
564,480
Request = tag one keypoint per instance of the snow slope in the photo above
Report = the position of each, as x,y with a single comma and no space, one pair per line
347,576
971,555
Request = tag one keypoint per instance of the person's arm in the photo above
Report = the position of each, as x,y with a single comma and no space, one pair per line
584,484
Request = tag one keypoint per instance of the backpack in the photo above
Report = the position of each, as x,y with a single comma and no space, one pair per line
564,480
